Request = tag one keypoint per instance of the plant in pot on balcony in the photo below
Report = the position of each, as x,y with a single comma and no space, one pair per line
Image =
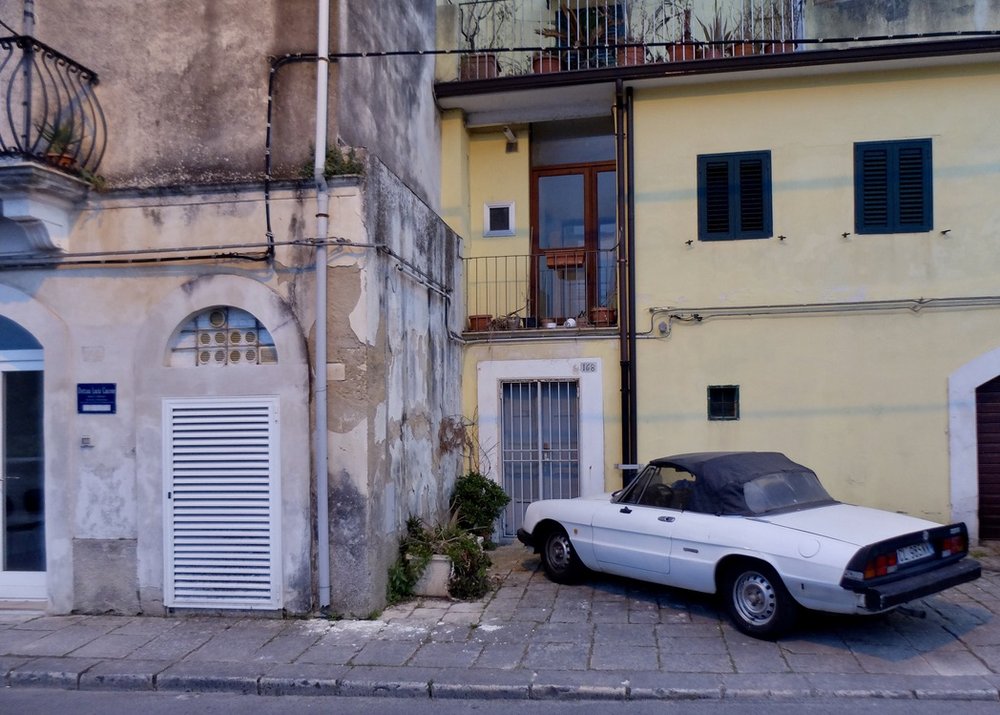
716,35
581,36
482,24
61,138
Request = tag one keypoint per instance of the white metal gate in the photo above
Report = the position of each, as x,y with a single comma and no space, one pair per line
540,445
221,506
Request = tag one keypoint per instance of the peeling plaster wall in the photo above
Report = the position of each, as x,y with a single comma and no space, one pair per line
184,84
402,383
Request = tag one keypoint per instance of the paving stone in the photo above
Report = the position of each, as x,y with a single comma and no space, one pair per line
7,664
63,641
385,653
446,655
617,657
146,626
625,634
503,632
49,623
501,656
562,633
328,654
695,663
559,656
14,641
823,663
284,648
112,645
172,645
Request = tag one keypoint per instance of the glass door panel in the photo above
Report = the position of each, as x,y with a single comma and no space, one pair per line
23,535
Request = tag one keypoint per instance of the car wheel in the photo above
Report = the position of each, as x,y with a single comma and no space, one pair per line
758,602
559,558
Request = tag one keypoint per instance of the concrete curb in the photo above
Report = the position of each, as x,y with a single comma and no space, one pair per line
79,674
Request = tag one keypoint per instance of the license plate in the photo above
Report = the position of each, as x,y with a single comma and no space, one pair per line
913,552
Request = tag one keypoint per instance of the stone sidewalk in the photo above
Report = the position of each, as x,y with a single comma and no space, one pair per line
607,638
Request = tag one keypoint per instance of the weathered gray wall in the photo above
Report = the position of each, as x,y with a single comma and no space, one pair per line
387,104
850,18
405,384
184,84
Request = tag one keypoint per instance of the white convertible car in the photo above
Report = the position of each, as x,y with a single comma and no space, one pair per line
757,528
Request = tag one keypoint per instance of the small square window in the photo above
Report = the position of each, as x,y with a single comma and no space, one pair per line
723,402
498,219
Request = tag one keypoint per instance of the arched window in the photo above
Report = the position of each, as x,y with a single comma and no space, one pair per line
222,336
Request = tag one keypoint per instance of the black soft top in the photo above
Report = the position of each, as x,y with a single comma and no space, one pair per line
720,476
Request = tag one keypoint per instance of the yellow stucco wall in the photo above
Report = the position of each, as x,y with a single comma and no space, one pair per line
860,396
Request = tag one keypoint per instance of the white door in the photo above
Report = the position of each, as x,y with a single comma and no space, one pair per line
222,503
22,476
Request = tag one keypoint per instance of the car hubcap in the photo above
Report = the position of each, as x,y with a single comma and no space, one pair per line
559,552
754,598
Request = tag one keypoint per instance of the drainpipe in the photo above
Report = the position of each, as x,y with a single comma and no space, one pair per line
623,302
633,392
319,378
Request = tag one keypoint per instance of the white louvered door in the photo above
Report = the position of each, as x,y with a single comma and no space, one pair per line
221,506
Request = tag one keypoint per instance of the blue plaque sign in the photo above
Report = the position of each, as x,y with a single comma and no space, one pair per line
96,398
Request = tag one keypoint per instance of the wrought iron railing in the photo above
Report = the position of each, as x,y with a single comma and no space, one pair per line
518,37
564,288
52,113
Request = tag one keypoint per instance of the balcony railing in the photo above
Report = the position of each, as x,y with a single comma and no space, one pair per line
52,114
564,288
518,37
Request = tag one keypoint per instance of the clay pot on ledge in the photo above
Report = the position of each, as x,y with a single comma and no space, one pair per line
478,65
480,322
544,62
603,316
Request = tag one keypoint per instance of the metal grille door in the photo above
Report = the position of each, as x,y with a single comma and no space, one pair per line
221,505
540,453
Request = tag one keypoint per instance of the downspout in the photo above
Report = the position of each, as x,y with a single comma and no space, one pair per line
623,355
319,378
633,391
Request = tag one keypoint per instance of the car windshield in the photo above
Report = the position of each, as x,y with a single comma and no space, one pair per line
784,490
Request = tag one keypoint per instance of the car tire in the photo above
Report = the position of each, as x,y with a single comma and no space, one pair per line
559,558
758,602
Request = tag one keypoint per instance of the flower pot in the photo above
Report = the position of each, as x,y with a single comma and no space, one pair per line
565,259
742,49
478,65
777,47
627,56
543,62
603,316
480,321
678,52
434,580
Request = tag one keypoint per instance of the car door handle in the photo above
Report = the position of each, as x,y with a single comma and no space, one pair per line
625,510
668,519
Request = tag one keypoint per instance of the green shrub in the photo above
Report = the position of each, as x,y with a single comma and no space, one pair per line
477,502
470,564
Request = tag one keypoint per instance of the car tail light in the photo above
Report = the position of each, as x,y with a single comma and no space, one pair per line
954,544
880,565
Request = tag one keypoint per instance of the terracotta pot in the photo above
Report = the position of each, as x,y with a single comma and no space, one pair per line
777,47
603,317
480,65
480,322
543,62
679,52
742,49
631,56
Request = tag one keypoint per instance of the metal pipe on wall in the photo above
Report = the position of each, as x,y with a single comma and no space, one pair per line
322,471
633,377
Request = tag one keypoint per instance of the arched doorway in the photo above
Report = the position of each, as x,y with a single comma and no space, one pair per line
988,457
22,465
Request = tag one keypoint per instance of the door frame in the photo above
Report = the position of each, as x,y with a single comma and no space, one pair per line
586,371
24,585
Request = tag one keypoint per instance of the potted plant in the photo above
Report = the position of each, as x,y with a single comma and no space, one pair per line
581,36
716,35
473,18
62,138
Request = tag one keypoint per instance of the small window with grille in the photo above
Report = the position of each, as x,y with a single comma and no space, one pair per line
723,402
223,336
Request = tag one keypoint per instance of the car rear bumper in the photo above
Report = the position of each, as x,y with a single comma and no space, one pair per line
887,595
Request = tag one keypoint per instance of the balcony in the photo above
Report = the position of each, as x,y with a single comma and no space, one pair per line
535,294
52,114
518,37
